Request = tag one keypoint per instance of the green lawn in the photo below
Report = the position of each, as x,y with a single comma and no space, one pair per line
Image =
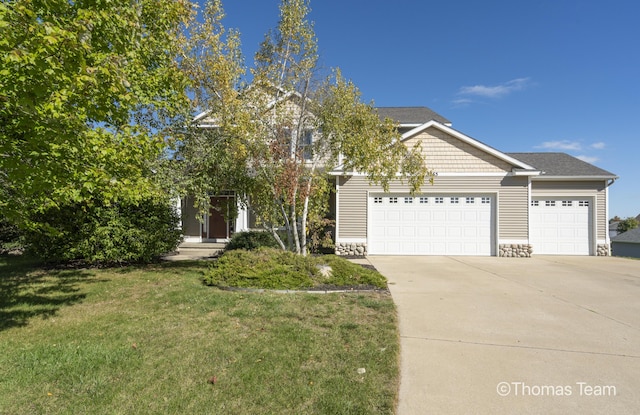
150,340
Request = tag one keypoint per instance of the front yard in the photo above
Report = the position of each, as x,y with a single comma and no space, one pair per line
154,339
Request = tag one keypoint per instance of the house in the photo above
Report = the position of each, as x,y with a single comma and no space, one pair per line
627,244
482,202
613,228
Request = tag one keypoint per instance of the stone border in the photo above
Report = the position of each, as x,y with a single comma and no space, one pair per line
603,250
351,248
515,250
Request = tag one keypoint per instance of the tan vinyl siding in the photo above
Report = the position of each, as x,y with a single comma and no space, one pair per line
595,189
512,201
514,208
446,154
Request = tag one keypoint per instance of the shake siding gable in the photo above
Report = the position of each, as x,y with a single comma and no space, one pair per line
444,153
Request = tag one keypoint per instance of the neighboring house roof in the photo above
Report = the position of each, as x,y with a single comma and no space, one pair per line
613,226
630,236
411,115
562,165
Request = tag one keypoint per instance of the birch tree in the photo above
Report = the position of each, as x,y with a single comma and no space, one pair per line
303,127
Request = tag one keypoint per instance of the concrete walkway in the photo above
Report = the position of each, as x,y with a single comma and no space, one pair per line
193,251
486,335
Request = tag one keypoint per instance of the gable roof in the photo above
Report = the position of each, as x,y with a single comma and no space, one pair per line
562,165
630,236
411,116
518,165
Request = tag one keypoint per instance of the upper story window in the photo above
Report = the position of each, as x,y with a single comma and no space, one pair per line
307,141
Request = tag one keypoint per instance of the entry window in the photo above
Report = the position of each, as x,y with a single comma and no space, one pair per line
393,200
377,200
535,203
549,203
454,200
486,200
583,203
408,200
439,200
470,200
424,200
567,203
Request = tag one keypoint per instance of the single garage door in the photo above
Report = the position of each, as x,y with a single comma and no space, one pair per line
560,227
401,224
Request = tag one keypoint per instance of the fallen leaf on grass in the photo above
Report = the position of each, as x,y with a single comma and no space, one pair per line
213,380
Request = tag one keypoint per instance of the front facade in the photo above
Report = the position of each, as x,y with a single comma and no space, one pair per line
482,202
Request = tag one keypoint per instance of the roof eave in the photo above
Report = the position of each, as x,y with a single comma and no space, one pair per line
551,178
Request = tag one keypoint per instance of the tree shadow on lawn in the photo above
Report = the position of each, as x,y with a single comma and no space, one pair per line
28,291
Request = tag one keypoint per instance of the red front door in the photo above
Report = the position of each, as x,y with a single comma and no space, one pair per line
219,228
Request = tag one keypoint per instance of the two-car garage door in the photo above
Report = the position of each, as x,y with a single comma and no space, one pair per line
401,224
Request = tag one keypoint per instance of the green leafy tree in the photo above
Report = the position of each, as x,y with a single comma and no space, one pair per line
87,92
274,139
211,159
627,224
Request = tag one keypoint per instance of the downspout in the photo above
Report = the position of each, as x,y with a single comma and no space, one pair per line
606,209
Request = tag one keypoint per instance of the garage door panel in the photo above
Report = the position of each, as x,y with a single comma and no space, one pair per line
442,225
560,227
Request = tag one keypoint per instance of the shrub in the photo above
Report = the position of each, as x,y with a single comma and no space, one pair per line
251,240
276,269
97,233
10,236
345,273
264,268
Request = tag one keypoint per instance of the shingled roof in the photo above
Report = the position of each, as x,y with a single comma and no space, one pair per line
630,236
411,115
562,165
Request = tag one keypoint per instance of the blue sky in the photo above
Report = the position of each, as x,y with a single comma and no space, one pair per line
545,75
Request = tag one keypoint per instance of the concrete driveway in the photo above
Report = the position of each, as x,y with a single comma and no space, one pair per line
487,335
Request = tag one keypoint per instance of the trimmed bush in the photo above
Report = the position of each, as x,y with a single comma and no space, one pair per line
276,269
251,240
125,232
262,268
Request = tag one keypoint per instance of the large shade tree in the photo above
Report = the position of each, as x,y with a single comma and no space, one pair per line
274,138
87,90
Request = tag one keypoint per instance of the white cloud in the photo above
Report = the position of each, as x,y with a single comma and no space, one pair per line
462,102
587,159
599,145
495,91
561,145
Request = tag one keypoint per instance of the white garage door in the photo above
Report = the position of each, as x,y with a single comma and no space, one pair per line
430,225
560,227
